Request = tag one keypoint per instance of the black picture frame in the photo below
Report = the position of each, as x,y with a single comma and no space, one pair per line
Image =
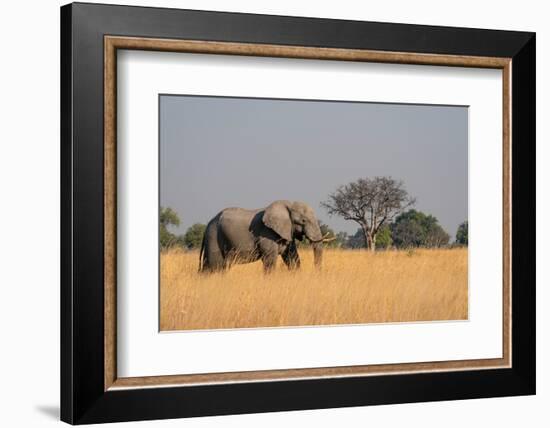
83,398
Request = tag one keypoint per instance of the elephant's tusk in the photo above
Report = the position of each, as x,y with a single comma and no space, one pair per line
323,239
327,239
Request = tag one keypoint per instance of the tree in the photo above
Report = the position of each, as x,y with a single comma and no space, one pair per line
436,237
407,233
384,239
416,229
168,217
341,239
357,240
462,234
193,236
370,202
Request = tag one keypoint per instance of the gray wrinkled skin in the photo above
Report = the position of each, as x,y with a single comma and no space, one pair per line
237,235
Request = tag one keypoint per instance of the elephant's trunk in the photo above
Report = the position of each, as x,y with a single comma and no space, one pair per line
317,253
313,233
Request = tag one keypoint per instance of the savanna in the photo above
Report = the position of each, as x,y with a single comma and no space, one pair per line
279,213
352,287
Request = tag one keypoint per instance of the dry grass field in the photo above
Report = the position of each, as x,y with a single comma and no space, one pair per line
353,287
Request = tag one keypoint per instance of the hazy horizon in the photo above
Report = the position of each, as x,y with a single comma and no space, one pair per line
217,152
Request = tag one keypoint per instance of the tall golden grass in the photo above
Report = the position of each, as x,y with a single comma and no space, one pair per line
353,287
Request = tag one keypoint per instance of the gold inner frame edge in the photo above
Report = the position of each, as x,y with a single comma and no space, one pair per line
113,43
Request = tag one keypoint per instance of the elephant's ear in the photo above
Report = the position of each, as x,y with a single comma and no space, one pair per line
277,218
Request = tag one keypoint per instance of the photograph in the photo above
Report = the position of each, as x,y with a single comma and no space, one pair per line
293,213
264,211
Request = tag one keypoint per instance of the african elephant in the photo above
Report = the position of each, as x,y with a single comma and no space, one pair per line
237,235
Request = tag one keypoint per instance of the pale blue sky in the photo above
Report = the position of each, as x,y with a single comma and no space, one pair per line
217,152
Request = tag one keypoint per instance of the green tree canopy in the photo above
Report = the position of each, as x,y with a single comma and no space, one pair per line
415,229
383,240
193,236
462,234
168,217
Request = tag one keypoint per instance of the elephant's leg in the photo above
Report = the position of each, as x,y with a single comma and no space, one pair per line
214,260
269,263
291,257
269,251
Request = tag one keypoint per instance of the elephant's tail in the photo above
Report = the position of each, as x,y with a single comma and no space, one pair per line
202,254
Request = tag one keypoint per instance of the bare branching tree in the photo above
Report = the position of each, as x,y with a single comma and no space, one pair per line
370,202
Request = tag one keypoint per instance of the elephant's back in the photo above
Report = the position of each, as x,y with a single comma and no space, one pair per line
236,218
235,226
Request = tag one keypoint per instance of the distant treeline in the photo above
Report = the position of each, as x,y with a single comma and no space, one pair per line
411,229
380,206
191,239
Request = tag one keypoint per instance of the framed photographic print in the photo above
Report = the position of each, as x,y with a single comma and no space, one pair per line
264,213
